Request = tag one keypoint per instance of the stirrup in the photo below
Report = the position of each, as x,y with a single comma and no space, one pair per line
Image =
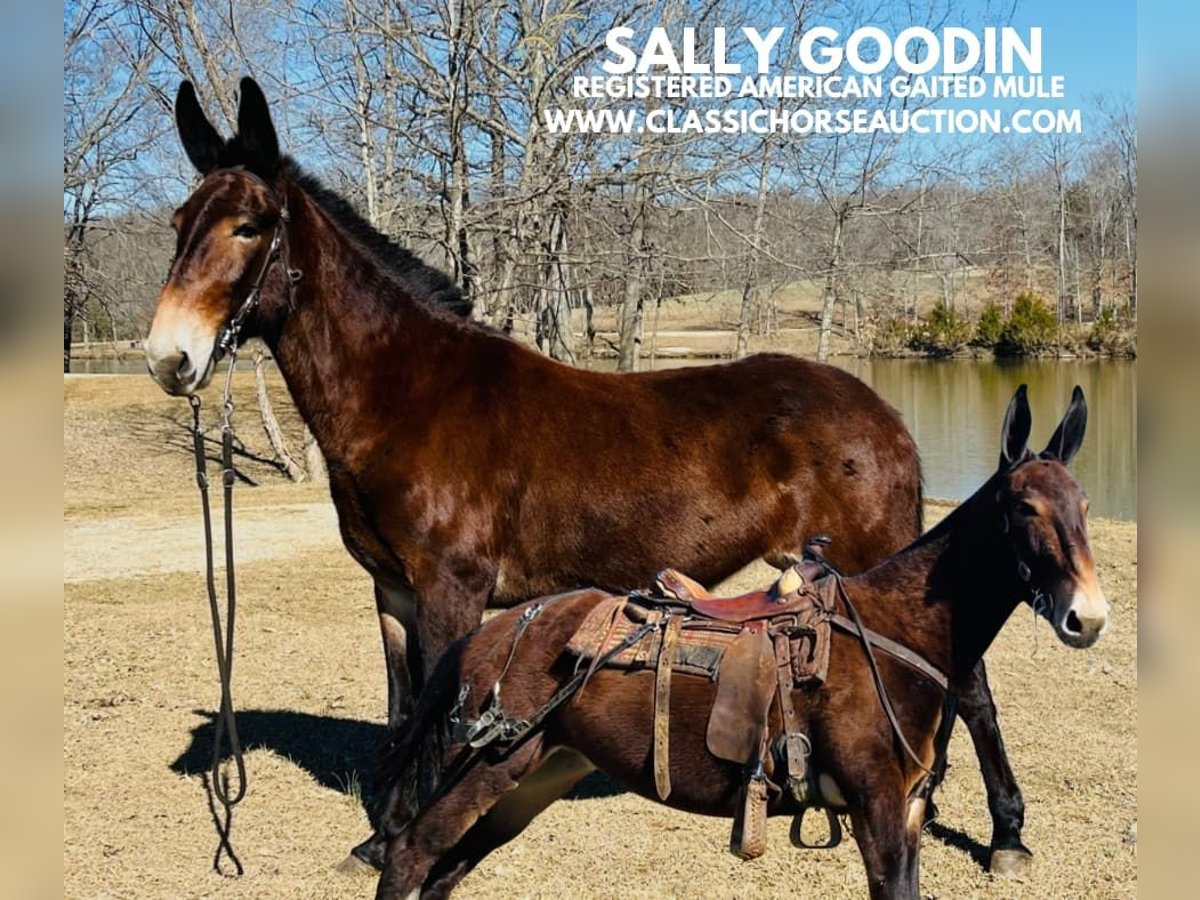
796,834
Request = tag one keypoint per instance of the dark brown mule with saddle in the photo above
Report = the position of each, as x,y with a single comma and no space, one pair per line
824,691
469,470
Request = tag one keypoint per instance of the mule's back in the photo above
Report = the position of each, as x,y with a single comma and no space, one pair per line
703,469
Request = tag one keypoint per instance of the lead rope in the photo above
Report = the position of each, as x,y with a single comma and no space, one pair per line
225,727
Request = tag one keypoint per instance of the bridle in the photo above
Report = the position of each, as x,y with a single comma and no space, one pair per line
225,724
1041,601
227,336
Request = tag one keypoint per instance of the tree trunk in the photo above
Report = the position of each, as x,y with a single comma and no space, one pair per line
270,424
457,238
68,318
1060,186
554,314
632,307
1131,255
654,331
314,461
831,285
750,287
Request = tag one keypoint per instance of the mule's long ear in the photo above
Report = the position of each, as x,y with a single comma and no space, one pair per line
1068,436
201,142
1015,430
256,134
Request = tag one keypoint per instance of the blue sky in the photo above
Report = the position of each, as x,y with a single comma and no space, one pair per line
1094,44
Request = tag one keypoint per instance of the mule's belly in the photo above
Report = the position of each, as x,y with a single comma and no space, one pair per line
612,723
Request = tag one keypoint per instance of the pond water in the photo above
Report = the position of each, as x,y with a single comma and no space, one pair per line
134,366
954,409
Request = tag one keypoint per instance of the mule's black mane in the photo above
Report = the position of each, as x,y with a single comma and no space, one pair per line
423,281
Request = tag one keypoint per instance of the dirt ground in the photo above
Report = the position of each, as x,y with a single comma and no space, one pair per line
140,691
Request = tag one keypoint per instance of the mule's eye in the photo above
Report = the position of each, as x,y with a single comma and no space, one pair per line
246,230
1027,509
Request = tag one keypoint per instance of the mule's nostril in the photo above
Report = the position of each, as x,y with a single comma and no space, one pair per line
1072,625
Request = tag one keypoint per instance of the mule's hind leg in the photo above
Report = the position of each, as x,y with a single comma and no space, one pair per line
977,709
558,773
422,844
415,634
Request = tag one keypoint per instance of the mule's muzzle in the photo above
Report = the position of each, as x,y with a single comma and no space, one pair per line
175,373
170,373
1083,620
180,353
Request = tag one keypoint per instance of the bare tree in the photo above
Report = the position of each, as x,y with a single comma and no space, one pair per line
430,116
104,69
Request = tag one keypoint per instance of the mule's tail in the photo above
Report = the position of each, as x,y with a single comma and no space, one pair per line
408,765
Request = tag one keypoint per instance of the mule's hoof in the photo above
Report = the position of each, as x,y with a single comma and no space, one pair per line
1011,862
352,865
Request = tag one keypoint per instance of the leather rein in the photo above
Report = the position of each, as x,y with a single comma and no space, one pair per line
854,625
873,640
228,794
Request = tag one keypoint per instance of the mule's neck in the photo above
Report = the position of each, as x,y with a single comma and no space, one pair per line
948,594
354,343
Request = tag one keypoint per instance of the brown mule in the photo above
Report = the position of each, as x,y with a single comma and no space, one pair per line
470,471
1021,537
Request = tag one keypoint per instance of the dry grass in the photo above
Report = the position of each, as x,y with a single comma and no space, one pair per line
139,692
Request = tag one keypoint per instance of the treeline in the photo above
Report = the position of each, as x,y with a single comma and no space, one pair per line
1028,327
425,115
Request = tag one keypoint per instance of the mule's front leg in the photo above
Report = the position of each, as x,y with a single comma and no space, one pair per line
889,840
397,610
978,710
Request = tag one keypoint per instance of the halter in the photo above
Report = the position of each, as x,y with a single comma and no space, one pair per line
1037,597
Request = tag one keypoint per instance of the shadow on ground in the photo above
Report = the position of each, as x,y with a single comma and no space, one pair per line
338,753
960,840
174,432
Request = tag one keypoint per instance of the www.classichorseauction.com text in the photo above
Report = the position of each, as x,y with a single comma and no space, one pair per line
916,66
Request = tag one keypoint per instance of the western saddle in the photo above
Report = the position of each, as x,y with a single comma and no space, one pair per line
757,647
